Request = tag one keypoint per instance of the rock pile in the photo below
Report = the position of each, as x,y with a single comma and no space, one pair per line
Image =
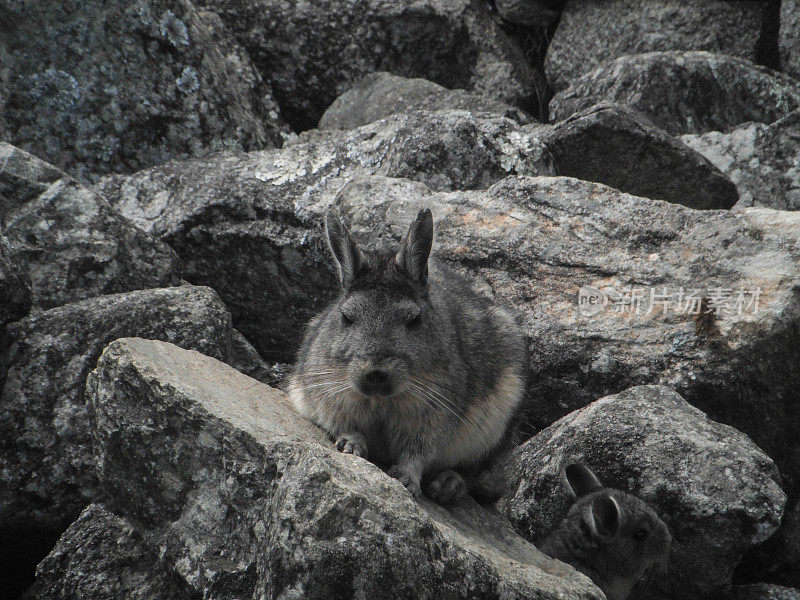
161,252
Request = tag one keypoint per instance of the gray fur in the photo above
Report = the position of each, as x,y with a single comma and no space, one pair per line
602,537
409,366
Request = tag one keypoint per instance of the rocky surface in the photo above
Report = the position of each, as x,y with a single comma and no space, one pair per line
789,37
311,52
98,87
715,489
777,559
593,32
70,241
529,13
103,556
619,147
15,287
249,500
533,242
762,160
382,94
257,230
684,92
46,465
762,591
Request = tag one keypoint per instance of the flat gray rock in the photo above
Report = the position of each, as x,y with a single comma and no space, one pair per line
593,32
715,489
311,52
619,147
762,160
247,499
382,94
103,87
72,244
762,591
46,465
684,92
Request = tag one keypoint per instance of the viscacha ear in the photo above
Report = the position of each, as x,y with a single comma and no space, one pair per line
582,479
416,249
606,514
345,253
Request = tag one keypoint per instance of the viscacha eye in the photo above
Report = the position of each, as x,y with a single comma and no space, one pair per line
346,320
640,535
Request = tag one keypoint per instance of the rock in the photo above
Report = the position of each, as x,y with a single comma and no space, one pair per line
248,500
246,359
529,13
789,37
311,52
715,489
72,243
235,240
762,160
382,94
684,92
777,559
614,145
99,87
591,33
533,243
15,287
762,591
103,556
46,464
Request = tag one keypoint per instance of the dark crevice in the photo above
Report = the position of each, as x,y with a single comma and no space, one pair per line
767,52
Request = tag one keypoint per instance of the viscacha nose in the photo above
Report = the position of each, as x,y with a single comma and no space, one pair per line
375,382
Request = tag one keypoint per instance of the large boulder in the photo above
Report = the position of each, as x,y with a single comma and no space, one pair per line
778,559
15,287
381,94
789,37
97,87
684,92
715,489
46,465
70,241
311,52
762,160
533,242
103,556
249,500
593,32
234,220
538,14
619,147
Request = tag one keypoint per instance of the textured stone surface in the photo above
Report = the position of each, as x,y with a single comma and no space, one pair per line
684,92
103,556
99,87
530,13
615,145
311,52
762,591
789,37
249,500
533,243
762,160
381,94
593,32
70,241
15,286
715,489
778,559
46,466
241,221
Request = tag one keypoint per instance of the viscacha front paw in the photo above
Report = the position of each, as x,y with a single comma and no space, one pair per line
446,487
407,478
352,443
